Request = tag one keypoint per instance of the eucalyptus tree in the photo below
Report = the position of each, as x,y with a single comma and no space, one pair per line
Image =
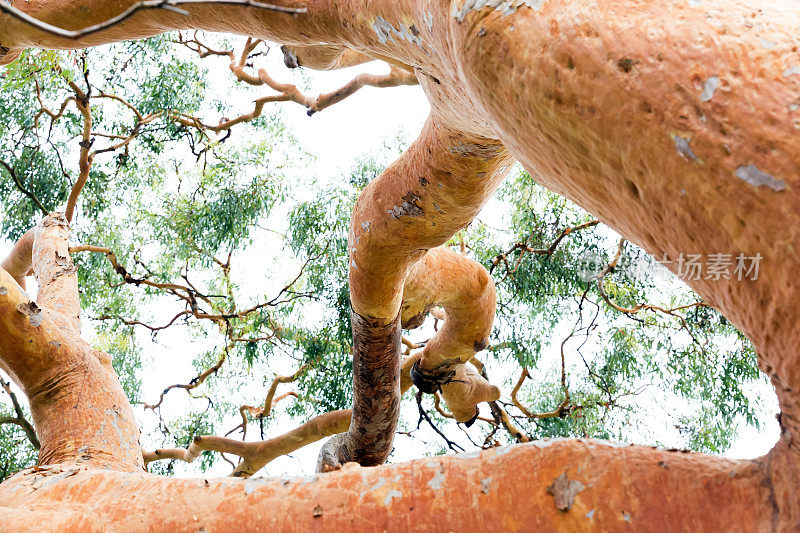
655,140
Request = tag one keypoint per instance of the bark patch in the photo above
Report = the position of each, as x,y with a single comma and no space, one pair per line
710,86
480,151
564,491
683,148
32,311
505,7
409,208
756,177
289,59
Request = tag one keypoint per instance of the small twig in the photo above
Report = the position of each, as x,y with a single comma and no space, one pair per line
525,248
20,419
424,416
195,382
22,189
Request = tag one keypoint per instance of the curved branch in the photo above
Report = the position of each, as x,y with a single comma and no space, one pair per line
196,381
19,186
269,402
256,455
463,288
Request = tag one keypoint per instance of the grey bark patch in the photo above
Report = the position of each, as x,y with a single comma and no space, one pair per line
709,88
683,148
766,43
477,150
383,29
409,208
486,485
436,481
32,311
795,69
387,32
564,491
317,512
3,291
754,176
328,456
394,493
289,59
505,7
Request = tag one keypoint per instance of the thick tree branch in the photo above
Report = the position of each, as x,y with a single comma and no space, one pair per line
56,274
256,455
466,293
18,262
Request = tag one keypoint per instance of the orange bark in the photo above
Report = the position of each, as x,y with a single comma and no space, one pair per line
465,290
501,489
671,122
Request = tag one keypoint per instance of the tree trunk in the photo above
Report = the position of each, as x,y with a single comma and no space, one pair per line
560,485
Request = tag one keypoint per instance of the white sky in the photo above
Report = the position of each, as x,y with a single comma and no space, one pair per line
338,136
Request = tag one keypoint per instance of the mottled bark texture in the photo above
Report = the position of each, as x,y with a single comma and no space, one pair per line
376,396
675,122
502,489
80,412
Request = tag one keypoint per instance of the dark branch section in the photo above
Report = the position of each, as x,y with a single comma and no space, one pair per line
376,397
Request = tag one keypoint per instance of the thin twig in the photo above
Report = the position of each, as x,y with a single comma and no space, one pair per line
20,419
